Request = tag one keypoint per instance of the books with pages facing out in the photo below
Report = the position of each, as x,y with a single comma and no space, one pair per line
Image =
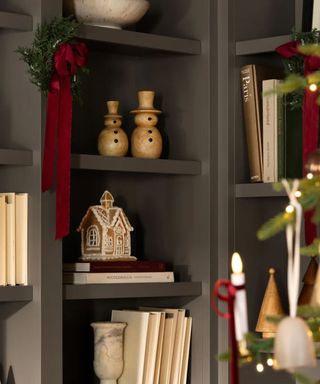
156,345
265,122
13,239
99,272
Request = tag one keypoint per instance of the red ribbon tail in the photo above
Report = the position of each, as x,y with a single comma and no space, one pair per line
310,144
229,299
63,161
50,140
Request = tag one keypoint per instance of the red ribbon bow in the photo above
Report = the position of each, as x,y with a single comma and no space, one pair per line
67,59
310,120
229,298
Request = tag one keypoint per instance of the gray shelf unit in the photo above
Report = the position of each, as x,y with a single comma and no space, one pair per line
264,45
138,40
257,190
16,21
254,30
16,157
167,201
125,291
129,164
16,294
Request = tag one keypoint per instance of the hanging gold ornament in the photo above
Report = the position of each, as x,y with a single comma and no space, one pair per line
271,306
309,280
315,297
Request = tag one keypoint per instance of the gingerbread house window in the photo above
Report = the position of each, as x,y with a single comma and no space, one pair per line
109,242
93,239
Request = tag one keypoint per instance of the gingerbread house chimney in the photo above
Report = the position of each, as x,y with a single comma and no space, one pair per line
107,200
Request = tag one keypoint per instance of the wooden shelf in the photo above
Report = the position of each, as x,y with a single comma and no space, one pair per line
140,40
130,164
16,21
17,293
16,157
121,291
257,190
252,47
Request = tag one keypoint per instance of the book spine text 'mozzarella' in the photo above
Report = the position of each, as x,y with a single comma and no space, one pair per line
126,277
252,122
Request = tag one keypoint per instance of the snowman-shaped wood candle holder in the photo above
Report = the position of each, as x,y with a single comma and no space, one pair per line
113,141
146,140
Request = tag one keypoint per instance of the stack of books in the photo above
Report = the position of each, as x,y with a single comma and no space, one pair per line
265,120
156,345
111,272
13,239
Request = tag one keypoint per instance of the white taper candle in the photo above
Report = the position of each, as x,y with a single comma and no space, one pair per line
240,305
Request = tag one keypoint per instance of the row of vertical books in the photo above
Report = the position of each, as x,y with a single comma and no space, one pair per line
274,152
156,345
13,239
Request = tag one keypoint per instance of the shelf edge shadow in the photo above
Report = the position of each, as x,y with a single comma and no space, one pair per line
143,290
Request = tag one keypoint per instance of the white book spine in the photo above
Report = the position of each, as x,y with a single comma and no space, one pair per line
275,118
167,351
135,340
22,239
186,352
316,14
3,241
117,277
159,348
269,108
11,248
178,345
151,348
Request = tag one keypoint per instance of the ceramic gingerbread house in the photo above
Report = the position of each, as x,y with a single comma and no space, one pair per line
105,232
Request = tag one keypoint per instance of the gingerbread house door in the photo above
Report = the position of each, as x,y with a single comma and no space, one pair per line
119,245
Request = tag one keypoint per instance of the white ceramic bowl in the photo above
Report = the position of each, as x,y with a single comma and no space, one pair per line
107,13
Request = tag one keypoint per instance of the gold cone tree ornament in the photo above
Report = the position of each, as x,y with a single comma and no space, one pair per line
309,280
315,297
293,347
271,306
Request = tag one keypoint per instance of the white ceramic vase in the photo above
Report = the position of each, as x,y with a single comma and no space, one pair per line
107,13
108,351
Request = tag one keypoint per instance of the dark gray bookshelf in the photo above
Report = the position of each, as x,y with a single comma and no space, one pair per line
175,217
16,157
145,41
16,294
129,164
16,21
257,190
125,291
256,46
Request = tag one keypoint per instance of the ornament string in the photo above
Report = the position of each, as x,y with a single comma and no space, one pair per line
67,59
293,233
228,298
310,119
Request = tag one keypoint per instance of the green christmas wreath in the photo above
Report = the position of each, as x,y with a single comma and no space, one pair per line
39,56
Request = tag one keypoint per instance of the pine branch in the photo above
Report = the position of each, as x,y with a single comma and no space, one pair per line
39,56
275,225
312,249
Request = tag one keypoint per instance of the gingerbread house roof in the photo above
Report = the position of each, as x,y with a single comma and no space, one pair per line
106,217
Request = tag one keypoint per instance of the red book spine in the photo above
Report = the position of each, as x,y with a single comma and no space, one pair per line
135,266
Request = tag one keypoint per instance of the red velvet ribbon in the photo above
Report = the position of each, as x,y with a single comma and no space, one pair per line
310,121
229,298
67,59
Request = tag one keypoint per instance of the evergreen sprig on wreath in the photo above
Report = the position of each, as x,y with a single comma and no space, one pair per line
39,56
